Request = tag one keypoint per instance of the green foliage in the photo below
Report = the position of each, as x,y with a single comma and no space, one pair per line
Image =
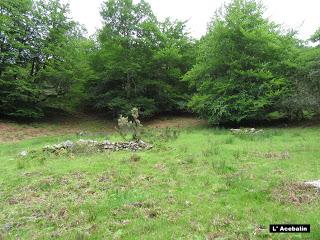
303,102
42,57
316,37
242,65
140,61
162,135
221,167
18,96
246,68
304,99
169,134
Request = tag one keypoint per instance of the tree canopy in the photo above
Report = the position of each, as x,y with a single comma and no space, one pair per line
140,61
243,65
38,64
246,68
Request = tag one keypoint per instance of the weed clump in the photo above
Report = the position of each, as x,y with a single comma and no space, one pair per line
169,134
21,163
135,158
24,160
221,167
210,151
129,127
161,135
229,140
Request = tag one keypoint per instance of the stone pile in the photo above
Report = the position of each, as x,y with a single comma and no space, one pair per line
128,146
58,147
105,145
88,142
245,131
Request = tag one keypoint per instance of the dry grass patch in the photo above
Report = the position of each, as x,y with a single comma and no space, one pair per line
296,193
273,155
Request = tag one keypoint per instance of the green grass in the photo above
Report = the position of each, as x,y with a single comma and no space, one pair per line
198,183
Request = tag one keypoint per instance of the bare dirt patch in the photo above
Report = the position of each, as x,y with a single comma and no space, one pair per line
13,132
175,122
10,132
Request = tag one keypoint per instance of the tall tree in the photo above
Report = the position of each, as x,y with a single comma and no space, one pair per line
305,98
18,96
136,61
37,40
242,66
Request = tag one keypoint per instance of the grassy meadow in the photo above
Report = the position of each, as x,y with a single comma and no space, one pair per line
195,183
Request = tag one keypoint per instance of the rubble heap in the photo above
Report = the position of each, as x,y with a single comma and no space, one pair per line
129,146
245,131
100,146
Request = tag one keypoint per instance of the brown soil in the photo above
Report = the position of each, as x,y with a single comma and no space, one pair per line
12,132
175,122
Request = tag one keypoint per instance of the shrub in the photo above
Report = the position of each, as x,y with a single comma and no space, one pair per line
132,128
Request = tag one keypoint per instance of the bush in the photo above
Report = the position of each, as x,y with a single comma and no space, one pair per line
132,128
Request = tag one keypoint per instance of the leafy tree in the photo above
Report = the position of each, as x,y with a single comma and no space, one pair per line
63,82
18,96
139,61
316,37
242,66
170,62
38,58
305,97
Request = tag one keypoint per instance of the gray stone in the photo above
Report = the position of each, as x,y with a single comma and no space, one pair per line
81,141
235,130
48,148
68,144
7,227
245,131
87,142
106,142
315,184
127,146
57,146
23,154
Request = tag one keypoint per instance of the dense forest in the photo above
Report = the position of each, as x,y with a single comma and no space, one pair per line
246,68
